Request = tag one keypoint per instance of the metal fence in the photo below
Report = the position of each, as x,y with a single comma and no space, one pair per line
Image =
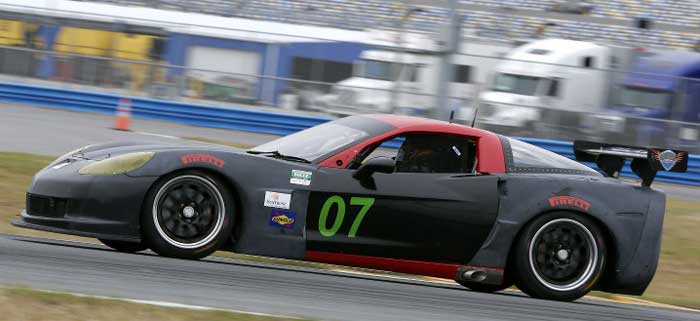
511,117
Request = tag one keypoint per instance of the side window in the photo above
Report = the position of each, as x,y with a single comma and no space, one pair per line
431,153
553,90
410,72
462,74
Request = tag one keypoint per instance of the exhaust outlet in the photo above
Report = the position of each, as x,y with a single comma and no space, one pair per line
474,275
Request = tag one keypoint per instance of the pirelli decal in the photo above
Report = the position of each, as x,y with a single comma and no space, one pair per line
202,158
571,201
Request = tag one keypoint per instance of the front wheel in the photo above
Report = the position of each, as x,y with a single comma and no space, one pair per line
559,256
124,246
188,215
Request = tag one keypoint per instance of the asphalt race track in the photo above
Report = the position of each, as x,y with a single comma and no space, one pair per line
52,132
281,290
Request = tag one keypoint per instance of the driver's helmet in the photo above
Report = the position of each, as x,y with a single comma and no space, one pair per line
415,155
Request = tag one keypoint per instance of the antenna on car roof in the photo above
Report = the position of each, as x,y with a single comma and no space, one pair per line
476,111
452,116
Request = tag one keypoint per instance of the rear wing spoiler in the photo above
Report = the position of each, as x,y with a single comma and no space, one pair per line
646,162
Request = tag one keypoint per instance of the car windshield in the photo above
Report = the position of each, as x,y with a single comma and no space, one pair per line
643,97
375,69
516,84
532,157
312,143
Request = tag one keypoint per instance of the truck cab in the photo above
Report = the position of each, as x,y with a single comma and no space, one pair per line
374,78
373,86
663,85
552,75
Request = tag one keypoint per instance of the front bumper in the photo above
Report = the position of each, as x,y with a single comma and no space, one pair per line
24,223
94,206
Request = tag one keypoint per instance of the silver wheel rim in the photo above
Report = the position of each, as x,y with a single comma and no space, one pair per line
589,270
217,225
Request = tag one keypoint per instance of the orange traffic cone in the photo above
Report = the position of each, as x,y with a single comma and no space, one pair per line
121,122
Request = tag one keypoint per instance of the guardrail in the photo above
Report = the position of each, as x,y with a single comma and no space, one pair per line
147,108
239,119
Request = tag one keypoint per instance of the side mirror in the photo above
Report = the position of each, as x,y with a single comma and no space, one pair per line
379,164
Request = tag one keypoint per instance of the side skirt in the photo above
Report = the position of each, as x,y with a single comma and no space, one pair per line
433,269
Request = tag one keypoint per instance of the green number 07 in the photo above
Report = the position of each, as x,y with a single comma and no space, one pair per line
365,202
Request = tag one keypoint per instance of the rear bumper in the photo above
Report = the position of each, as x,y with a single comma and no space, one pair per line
634,275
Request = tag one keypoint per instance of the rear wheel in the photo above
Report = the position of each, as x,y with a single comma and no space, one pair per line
559,256
188,215
123,246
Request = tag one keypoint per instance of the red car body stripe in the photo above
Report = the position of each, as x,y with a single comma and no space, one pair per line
489,153
439,270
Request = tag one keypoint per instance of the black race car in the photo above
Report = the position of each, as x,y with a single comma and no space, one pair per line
455,202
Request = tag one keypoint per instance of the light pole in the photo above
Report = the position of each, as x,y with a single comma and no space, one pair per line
452,43
401,51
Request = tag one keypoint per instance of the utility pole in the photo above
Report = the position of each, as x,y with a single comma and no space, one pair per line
397,67
452,38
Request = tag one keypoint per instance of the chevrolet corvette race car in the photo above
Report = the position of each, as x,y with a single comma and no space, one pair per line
451,201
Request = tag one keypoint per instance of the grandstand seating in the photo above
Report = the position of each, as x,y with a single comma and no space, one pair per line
360,14
680,12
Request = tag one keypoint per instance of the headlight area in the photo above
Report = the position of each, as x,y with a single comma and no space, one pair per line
118,165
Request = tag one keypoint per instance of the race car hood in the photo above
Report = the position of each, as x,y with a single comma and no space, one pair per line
106,150
100,152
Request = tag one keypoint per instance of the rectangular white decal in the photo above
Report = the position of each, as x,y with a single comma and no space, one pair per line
278,200
300,177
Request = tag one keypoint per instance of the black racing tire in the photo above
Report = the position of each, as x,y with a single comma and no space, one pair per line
559,256
188,215
485,288
124,246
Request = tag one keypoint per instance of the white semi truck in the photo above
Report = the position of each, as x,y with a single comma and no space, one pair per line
378,85
549,76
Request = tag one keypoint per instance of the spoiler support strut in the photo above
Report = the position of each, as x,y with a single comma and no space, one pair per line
646,162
